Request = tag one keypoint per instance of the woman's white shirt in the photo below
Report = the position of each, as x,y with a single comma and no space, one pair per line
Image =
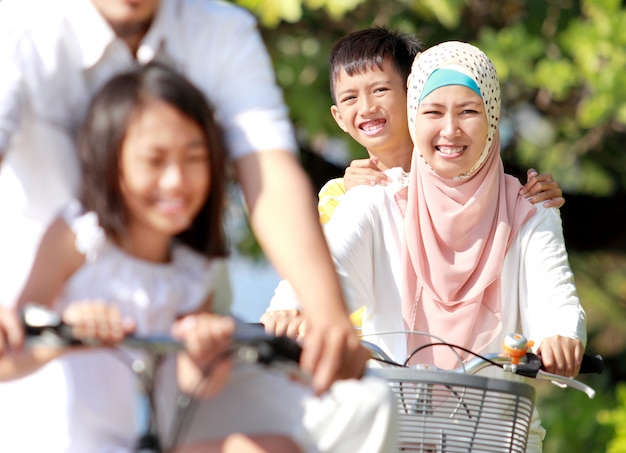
364,234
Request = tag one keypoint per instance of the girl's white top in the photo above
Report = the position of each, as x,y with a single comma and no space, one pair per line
100,414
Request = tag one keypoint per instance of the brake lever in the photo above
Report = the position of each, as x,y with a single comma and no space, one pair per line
252,344
45,326
269,348
533,368
562,381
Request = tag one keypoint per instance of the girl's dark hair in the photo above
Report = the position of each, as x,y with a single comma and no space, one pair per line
103,133
364,49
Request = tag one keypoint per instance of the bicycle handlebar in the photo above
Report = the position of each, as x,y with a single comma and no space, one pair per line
524,363
250,342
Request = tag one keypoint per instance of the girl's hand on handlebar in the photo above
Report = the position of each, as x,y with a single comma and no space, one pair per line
363,172
11,331
97,320
206,365
561,355
290,323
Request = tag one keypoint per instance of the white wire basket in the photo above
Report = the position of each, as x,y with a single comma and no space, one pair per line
448,412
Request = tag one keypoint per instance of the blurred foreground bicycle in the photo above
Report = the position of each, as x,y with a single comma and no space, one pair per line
250,344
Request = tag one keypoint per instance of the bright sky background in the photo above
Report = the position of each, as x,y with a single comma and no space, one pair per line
253,285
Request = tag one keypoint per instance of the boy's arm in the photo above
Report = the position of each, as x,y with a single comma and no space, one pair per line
542,187
538,187
364,172
284,219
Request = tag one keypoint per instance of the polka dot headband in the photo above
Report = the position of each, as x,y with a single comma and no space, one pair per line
467,60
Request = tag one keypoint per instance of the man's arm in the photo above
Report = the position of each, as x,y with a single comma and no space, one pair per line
280,199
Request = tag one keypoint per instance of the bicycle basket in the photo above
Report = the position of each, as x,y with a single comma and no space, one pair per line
447,412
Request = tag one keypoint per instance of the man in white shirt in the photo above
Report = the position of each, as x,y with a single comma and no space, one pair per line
55,55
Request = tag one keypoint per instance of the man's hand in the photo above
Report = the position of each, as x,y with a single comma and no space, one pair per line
278,194
561,355
332,348
543,188
363,172
284,322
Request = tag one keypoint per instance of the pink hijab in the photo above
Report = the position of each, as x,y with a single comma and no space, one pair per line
457,230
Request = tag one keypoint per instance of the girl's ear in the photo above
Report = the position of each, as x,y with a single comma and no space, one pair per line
334,110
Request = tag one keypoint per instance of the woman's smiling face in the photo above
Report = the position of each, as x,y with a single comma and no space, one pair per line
451,129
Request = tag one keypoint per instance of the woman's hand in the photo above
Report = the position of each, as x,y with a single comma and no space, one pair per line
284,322
542,187
561,355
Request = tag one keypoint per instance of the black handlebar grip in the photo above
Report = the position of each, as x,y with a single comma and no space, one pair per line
592,364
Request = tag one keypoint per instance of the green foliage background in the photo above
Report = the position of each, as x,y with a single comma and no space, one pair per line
562,65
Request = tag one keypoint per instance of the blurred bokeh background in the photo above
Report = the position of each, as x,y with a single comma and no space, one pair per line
562,65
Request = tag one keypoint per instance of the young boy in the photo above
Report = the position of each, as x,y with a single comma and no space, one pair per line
368,78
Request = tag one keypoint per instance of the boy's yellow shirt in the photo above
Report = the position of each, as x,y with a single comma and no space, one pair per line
329,197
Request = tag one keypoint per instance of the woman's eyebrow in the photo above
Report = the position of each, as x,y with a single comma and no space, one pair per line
442,104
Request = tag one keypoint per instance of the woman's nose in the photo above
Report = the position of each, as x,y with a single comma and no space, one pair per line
450,127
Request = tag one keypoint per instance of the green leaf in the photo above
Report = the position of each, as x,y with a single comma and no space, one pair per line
557,76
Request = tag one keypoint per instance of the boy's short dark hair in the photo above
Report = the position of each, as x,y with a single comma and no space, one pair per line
364,49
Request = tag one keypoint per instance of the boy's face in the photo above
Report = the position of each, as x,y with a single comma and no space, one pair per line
371,107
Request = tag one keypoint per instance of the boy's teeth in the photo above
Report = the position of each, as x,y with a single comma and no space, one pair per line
372,125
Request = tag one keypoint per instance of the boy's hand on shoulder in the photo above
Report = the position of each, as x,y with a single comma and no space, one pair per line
331,351
542,187
561,355
11,331
284,322
363,172
98,320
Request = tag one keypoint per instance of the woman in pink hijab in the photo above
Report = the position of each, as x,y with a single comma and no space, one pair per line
479,261
476,254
